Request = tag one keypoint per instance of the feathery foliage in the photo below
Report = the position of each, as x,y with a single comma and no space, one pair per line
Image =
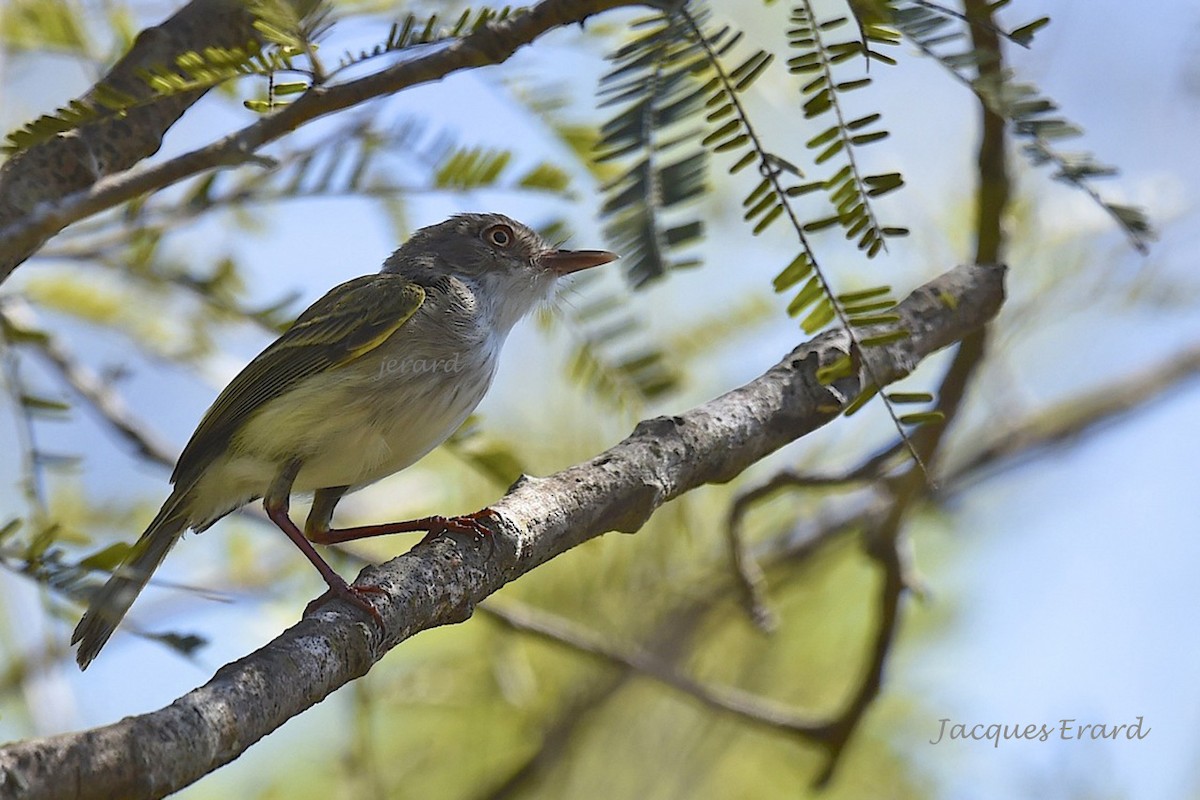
849,190
1033,116
414,31
655,83
676,71
284,34
613,355
193,71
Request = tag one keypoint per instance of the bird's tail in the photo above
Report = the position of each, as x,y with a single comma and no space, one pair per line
109,604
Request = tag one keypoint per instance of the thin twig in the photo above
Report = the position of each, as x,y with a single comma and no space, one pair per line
727,699
1073,419
490,44
99,396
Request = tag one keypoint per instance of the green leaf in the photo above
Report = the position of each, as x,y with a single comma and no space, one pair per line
847,298
818,104
842,175
867,138
296,87
762,205
750,70
849,86
824,136
843,367
862,122
863,308
804,188
44,404
923,418
758,191
882,184
821,224
106,559
812,291
721,112
793,273
875,319
732,144
863,398
819,317
546,176
743,162
885,338
721,132
10,527
809,62
770,217
829,152
1024,34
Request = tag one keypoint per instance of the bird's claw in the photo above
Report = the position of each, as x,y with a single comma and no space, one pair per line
355,595
470,524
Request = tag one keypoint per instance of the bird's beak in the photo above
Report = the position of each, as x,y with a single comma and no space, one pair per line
564,262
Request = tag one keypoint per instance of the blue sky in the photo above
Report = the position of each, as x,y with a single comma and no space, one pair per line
1069,583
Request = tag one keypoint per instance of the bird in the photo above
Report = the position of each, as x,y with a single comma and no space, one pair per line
368,379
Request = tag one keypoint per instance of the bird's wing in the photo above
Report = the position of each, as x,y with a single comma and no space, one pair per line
351,320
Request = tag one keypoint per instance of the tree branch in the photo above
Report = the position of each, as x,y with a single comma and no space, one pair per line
73,161
1071,420
440,582
101,397
26,225
748,707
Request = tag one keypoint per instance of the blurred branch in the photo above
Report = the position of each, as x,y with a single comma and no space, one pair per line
749,575
667,640
26,227
440,582
1075,418
96,392
908,489
742,704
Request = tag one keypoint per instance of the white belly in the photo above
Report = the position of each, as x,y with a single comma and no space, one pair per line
349,427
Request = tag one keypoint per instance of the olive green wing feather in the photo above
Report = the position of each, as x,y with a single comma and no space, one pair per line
348,322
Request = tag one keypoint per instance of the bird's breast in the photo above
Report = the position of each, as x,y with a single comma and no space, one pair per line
362,421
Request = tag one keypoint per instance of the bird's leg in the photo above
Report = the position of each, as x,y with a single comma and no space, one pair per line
276,502
317,529
321,514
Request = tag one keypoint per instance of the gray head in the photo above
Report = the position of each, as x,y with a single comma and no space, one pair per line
470,246
505,264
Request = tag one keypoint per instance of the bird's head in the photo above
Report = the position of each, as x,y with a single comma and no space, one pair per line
507,262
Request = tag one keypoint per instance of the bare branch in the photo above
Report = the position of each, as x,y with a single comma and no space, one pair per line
441,582
1073,419
744,705
748,574
25,228
98,395
72,162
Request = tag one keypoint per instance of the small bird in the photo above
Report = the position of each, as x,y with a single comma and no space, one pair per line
369,379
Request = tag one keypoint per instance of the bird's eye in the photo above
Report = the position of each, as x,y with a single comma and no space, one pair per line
499,235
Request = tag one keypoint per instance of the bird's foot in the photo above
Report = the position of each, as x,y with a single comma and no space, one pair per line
355,595
471,524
